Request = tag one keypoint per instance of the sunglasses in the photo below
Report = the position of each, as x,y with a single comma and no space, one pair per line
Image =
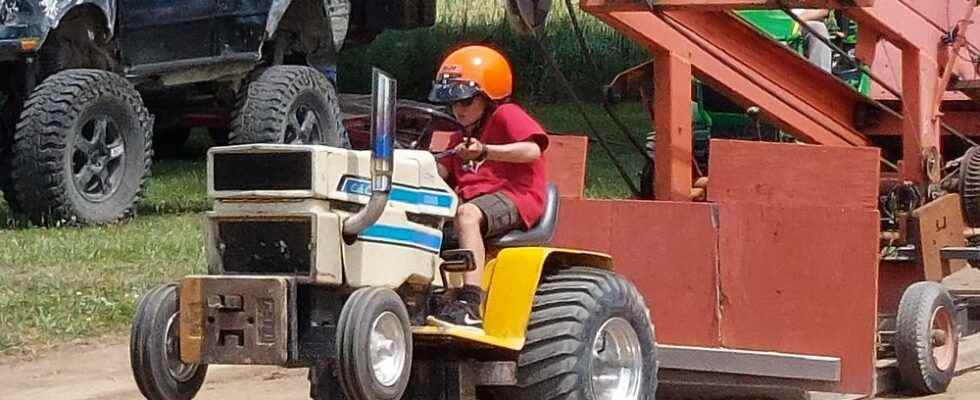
463,103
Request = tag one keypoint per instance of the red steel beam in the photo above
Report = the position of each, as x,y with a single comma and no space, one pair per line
752,70
718,5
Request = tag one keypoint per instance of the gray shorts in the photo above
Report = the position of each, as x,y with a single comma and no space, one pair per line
500,215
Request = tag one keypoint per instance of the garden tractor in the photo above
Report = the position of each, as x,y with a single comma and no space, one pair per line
333,260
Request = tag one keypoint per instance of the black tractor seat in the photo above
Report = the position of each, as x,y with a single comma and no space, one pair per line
540,235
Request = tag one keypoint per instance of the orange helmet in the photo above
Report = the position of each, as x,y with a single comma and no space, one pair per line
472,70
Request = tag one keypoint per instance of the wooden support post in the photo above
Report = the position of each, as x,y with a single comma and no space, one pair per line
920,141
672,110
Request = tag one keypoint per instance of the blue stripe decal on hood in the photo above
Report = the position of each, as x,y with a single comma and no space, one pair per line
401,235
401,194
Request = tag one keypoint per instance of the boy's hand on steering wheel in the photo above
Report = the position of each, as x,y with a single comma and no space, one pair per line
473,151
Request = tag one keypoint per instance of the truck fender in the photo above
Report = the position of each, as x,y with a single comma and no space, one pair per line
338,23
55,10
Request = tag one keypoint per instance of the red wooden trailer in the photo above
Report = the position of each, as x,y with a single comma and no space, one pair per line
785,276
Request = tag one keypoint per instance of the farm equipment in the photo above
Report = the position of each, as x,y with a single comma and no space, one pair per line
824,264
332,259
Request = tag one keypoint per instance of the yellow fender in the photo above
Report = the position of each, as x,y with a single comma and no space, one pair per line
511,281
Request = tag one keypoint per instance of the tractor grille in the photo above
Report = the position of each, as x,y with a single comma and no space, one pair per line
265,247
263,171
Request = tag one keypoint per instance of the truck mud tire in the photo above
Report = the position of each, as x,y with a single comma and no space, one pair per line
288,104
926,338
154,349
969,189
82,149
589,337
374,345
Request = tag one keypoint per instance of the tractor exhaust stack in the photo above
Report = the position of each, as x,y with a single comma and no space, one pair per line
383,98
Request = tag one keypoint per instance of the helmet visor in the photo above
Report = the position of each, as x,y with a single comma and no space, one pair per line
449,91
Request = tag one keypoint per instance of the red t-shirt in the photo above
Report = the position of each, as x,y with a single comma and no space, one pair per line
524,183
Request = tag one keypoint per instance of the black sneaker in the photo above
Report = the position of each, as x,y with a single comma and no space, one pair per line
460,313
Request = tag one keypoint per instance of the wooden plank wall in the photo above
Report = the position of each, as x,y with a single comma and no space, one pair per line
783,258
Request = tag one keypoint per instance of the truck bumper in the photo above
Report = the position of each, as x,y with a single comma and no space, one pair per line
238,320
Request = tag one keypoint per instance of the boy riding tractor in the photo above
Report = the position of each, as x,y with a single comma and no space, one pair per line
335,260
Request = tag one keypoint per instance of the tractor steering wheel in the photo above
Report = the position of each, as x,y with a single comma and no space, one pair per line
434,120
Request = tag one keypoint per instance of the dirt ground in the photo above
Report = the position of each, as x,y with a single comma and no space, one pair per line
101,372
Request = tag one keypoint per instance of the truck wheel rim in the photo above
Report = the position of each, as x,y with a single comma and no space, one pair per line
617,362
303,126
941,336
97,159
171,353
388,348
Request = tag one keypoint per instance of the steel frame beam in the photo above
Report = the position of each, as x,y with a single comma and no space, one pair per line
753,70
718,5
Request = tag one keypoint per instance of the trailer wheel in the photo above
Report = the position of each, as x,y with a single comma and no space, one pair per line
154,349
926,339
82,150
374,345
288,104
589,337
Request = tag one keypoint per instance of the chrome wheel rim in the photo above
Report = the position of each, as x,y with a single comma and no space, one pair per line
387,348
617,362
179,370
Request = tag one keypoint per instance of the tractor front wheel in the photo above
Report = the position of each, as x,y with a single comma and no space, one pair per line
374,346
589,337
154,349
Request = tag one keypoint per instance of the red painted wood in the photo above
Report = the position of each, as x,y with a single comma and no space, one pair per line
672,108
799,251
784,174
666,249
802,280
566,157
893,279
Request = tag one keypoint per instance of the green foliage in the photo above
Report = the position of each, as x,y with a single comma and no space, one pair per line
413,56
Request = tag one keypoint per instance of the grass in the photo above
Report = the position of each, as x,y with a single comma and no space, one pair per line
60,284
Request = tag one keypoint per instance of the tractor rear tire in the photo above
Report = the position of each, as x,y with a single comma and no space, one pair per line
288,104
579,314
153,346
82,150
367,309
926,338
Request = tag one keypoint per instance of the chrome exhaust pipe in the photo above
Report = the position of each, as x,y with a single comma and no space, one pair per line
384,90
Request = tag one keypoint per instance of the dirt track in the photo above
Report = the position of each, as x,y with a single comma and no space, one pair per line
101,372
